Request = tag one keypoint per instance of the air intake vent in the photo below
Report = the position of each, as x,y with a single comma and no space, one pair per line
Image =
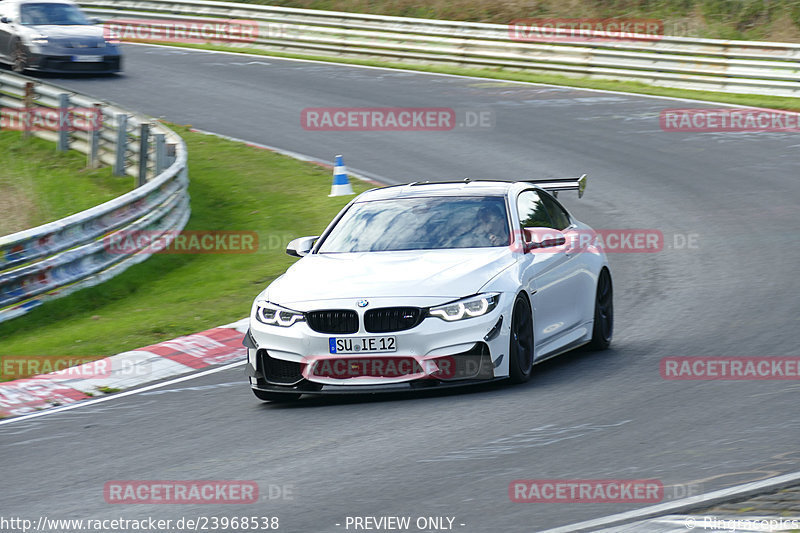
279,371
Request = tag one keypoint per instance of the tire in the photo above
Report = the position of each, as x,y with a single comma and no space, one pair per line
603,329
20,58
276,397
520,348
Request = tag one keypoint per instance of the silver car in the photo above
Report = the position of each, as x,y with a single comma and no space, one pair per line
56,36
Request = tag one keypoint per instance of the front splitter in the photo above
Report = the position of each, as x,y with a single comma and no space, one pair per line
407,387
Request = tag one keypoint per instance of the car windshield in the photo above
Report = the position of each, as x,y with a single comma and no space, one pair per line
428,223
52,14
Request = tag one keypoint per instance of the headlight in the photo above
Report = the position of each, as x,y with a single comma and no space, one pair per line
275,315
41,39
467,307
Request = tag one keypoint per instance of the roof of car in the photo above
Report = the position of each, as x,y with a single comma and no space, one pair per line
466,187
39,2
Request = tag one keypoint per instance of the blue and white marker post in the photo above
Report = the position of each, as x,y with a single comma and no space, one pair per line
341,185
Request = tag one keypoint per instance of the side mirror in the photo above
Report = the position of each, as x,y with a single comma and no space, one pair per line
5,20
301,247
538,238
95,20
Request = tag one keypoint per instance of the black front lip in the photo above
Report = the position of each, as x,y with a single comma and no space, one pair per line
408,387
38,60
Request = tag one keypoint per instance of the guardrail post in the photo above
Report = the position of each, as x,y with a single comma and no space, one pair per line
122,144
172,150
28,103
63,122
161,153
144,146
93,156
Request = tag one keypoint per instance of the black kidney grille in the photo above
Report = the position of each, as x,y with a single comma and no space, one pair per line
333,321
390,319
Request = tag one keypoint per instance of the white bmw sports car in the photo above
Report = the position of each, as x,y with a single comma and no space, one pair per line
431,285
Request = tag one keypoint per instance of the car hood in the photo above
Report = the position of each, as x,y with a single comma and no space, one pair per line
435,273
83,34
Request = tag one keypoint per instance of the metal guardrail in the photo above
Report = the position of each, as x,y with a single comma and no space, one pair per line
691,63
55,259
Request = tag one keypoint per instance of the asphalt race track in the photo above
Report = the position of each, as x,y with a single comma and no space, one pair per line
583,416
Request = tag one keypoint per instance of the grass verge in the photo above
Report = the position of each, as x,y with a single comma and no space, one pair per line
774,102
40,185
233,187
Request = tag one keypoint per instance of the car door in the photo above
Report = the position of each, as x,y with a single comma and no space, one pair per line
552,278
583,265
6,31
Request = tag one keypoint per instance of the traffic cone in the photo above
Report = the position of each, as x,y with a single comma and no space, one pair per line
341,185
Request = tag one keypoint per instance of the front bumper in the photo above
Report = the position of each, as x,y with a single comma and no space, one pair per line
396,388
437,353
61,63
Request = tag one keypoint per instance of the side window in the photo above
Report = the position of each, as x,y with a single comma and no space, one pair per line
532,212
557,213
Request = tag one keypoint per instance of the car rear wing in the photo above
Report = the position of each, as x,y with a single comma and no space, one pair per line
562,184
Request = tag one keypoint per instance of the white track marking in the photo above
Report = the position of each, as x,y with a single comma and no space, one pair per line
693,502
95,401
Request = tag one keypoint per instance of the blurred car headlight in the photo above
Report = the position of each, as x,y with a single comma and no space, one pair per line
275,315
469,307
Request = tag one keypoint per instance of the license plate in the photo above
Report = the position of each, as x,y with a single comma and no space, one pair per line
362,344
87,59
